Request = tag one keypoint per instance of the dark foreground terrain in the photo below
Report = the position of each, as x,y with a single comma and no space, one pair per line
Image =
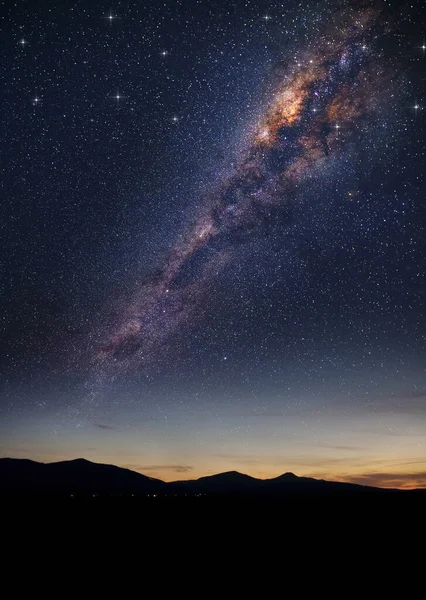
80,509
107,494
184,530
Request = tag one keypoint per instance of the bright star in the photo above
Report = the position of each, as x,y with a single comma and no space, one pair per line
117,97
175,119
23,42
266,18
36,100
164,53
110,17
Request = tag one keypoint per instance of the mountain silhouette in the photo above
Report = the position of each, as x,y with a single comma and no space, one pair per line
229,482
80,476
73,476
233,482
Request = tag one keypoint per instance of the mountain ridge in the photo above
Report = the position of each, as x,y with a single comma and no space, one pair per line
83,476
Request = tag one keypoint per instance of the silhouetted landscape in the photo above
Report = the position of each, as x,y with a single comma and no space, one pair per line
82,479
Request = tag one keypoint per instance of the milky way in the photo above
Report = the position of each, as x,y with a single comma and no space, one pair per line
320,98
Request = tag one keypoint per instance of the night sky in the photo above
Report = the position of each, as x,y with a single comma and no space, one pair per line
213,237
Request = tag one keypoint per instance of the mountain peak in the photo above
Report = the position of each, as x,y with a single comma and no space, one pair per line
76,462
228,475
288,476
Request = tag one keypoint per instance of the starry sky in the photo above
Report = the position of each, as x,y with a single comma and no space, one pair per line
213,237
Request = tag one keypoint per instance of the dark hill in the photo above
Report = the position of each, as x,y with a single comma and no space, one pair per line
229,482
78,476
